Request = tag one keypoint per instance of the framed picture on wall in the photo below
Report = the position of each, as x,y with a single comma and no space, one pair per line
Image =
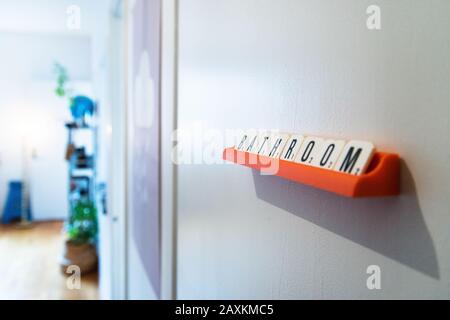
144,137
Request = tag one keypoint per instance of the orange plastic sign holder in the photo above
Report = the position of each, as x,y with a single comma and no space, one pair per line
381,179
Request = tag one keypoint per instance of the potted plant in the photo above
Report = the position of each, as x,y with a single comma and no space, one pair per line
80,106
82,230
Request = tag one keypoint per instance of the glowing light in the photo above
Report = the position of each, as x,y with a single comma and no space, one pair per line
109,129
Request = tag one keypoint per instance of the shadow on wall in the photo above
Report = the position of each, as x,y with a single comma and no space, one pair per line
391,226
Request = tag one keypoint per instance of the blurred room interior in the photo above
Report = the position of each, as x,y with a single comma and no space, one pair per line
93,204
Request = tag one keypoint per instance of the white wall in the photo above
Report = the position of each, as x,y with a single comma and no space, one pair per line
313,67
50,16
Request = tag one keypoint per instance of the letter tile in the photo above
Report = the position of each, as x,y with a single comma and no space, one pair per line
355,157
242,142
277,144
309,150
292,147
329,153
253,142
264,143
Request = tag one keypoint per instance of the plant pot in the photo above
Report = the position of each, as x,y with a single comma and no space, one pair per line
82,255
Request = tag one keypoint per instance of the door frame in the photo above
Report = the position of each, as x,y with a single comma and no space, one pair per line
117,199
169,123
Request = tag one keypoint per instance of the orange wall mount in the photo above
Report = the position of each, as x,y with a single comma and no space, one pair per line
382,177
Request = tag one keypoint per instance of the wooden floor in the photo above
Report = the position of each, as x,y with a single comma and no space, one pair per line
29,265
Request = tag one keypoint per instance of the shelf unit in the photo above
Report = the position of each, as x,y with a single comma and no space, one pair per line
381,179
87,172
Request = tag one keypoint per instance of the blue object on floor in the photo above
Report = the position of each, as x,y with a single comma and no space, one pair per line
12,211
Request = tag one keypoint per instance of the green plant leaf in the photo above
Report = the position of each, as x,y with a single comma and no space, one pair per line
83,226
